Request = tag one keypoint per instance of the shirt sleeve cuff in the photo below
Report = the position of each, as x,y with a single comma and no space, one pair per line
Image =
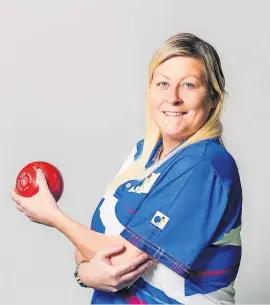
156,252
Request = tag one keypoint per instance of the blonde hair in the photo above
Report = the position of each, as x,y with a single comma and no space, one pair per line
182,44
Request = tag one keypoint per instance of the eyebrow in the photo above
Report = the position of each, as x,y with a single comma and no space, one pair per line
180,79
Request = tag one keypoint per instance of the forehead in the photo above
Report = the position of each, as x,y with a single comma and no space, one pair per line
182,66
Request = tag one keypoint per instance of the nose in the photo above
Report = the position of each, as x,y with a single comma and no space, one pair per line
174,97
176,102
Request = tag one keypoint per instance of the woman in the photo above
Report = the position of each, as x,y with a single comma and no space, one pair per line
177,198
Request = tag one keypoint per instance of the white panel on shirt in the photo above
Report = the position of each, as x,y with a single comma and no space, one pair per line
232,238
128,161
107,215
173,285
147,184
225,294
107,210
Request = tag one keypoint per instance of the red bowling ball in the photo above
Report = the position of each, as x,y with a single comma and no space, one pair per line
26,185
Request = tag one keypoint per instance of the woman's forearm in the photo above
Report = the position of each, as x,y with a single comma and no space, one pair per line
89,242
78,256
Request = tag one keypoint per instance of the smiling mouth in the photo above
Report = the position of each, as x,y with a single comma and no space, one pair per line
174,113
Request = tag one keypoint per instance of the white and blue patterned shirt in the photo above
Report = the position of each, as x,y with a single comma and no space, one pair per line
187,216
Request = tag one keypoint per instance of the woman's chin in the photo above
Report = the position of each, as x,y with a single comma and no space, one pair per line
173,136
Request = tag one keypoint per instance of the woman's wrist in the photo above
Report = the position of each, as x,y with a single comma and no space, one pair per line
57,219
82,274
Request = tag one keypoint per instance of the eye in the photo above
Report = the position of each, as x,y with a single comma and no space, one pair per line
163,85
188,85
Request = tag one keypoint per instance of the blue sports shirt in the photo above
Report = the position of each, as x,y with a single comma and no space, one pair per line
187,216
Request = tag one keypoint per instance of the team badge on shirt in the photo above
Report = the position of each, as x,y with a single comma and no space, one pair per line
147,184
160,220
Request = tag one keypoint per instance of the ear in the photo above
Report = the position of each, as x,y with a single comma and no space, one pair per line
213,105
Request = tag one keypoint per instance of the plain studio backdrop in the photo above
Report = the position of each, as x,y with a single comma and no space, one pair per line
72,90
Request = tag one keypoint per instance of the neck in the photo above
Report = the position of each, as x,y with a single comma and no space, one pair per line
169,144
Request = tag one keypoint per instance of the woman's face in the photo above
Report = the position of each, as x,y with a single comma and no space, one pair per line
179,97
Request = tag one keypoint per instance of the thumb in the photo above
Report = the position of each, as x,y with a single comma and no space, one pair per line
109,251
41,179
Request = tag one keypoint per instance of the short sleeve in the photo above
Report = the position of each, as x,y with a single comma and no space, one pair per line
183,215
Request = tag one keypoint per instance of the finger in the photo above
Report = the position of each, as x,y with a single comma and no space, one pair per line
107,288
135,274
137,261
109,251
127,284
19,207
15,196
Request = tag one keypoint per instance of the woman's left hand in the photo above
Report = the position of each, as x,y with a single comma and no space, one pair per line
101,274
42,207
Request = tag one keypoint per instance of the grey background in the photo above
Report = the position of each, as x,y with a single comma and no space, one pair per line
72,92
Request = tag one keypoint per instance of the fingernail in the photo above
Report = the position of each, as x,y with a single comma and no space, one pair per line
39,173
150,264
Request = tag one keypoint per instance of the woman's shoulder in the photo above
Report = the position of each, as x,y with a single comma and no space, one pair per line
212,155
220,158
